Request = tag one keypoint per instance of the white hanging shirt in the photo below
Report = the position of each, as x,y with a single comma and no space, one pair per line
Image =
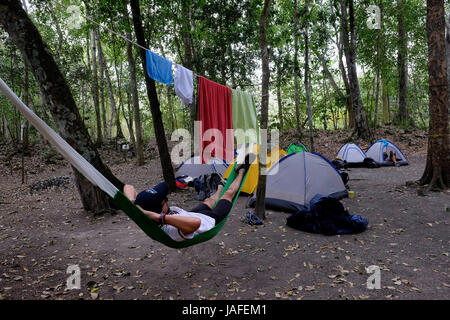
184,84
206,224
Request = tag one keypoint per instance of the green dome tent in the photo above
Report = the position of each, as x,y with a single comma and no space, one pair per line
296,148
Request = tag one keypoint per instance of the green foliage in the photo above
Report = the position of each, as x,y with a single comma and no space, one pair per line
223,38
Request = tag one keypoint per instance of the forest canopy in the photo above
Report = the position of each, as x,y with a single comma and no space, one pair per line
219,39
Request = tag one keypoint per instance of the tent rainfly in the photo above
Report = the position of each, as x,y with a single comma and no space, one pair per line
296,148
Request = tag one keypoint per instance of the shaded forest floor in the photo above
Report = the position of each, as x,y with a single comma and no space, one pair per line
43,231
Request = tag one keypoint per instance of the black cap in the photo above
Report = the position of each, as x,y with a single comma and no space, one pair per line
152,199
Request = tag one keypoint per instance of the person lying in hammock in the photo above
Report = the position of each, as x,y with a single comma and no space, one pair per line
178,223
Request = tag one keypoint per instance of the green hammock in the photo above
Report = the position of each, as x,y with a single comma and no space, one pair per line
154,231
96,178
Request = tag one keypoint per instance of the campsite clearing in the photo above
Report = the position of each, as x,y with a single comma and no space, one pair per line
45,232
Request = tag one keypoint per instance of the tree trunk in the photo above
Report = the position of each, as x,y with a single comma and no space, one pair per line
280,102
232,66
170,105
169,93
307,80
24,127
378,71
260,209
44,116
348,99
402,61
2,124
112,101
341,94
101,85
437,169
135,97
385,96
58,98
119,132
102,99
26,94
334,111
95,88
86,91
188,55
362,127
6,128
129,121
163,149
447,50
381,82
296,73
13,127
57,26
329,76
377,93
324,109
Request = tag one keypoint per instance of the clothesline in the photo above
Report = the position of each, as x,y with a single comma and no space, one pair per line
103,26
87,17
111,31
241,113
220,107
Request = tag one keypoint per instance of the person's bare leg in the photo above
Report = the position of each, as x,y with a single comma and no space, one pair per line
393,155
234,187
211,201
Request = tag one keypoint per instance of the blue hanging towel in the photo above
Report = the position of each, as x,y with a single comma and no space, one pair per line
159,68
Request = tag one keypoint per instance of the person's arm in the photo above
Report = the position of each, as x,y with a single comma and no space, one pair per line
187,225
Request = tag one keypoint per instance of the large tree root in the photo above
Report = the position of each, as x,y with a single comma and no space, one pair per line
432,182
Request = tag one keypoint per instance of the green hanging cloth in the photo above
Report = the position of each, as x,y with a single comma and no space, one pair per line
244,115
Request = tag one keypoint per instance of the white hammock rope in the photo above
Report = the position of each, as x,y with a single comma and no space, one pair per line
69,153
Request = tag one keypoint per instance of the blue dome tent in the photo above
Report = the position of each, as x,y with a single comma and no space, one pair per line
351,153
383,147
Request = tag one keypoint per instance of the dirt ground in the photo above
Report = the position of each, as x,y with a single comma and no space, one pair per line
43,232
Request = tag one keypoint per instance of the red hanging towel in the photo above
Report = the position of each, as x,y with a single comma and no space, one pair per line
215,112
